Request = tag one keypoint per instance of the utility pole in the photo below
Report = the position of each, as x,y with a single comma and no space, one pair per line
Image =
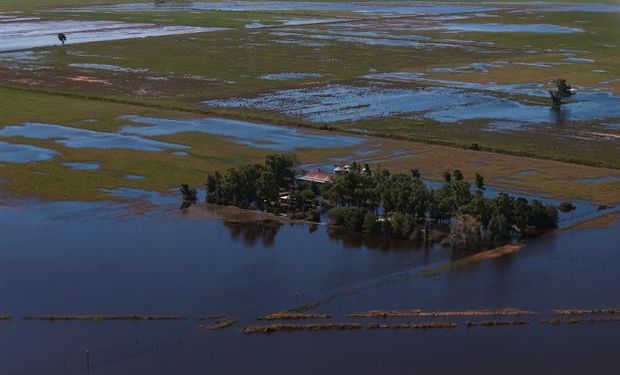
87,353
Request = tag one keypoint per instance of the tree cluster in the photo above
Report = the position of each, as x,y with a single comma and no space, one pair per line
395,204
258,186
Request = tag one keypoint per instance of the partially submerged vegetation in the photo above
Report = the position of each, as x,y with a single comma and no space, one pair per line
423,325
302,327
409,205
96,318
287,315
497,323
222,323
472,259
422,313
384,203
581,320
611,310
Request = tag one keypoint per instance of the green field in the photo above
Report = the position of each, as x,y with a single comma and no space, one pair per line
171,77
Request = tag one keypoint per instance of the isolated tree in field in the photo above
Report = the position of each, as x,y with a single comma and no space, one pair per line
62,37
479,182
561,92
415,173
189,196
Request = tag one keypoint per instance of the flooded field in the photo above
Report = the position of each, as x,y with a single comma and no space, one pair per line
134,263
246,6
134,137
247,133
16,153
25,33
462,101
102,273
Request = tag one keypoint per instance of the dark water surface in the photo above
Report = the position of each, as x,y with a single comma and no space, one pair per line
103,258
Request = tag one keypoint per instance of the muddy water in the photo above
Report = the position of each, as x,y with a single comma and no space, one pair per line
100,258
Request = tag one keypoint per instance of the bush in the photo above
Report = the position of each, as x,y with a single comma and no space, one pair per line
566,207
371,224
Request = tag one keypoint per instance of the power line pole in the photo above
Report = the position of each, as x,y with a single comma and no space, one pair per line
87,353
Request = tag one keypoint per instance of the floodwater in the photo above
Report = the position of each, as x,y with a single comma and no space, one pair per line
243,132
100,258
510,28
451,102
278,6
289,76
134,177
83,166
599,180
26,33
293,22
84,138
579,60
109,67
18,153
135,137
359,38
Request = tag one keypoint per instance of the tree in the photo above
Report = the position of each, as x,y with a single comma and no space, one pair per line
561,92
479,182
189,196
419,199
479,208
282,167
371,224
521,213
415,173
461,192
499,227
465,232
402,225
543,217
62,37
213,188
503,205
447,177
457,175
266,189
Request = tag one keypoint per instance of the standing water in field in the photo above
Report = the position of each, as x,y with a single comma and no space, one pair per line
26,33
248,133
453,102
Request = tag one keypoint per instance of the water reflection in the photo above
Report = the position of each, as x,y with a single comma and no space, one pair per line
560,115
251,233
356,240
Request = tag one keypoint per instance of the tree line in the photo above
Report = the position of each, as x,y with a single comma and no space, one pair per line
398,205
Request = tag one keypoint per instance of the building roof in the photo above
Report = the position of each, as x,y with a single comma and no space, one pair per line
316,177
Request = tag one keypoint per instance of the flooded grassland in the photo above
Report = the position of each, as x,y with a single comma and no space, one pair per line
100,272
91,145
491,64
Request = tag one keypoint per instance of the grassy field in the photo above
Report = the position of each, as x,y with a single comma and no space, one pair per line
232,63
164,171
